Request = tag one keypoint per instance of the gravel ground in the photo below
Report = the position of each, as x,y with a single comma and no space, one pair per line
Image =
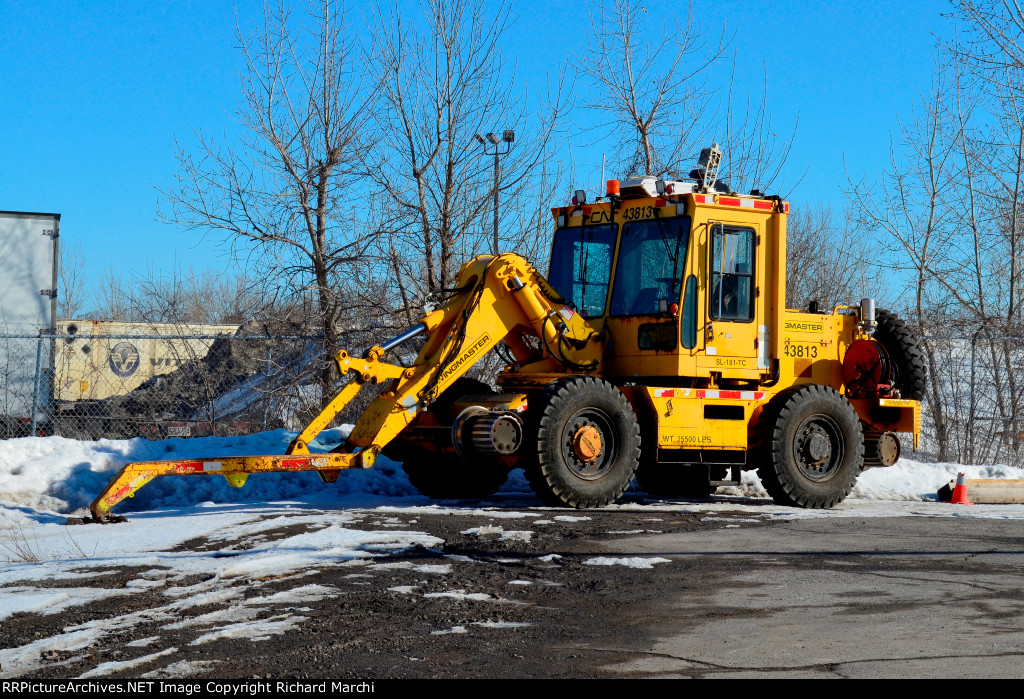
499,598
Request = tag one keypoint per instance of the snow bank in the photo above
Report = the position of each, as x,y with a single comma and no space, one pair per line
61,476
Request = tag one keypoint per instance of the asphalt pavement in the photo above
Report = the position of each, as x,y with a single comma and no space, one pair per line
891,597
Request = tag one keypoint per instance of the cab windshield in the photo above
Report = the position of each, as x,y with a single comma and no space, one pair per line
581,266
648,278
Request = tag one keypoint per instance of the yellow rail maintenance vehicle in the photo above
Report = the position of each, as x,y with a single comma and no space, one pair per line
659,348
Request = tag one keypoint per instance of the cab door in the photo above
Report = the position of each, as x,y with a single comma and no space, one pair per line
736,337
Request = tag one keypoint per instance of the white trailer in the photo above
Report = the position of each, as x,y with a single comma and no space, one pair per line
28,312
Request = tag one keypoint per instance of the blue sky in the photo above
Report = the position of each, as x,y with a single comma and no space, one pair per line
93,94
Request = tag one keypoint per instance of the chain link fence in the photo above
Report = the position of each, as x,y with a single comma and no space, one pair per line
184,385
159,385
974,413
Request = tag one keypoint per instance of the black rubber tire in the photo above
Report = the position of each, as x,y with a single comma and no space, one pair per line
678,480
562,408
893,334
443,476
797,425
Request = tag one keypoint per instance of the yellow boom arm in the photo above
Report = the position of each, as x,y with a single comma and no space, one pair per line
495,299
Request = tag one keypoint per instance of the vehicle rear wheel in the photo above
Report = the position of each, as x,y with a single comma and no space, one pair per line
588,443
814,447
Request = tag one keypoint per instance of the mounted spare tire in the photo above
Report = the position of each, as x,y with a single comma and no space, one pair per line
904,352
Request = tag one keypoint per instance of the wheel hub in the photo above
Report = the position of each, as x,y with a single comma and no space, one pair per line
818,449
589,446
586,443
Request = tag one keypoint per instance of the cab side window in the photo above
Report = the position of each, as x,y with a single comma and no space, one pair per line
688,324
732,273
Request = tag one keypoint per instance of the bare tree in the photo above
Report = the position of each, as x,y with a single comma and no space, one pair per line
826,260
951,207
191,297
755,152
652,90
71,285
285,189
114,299
908,210
442,82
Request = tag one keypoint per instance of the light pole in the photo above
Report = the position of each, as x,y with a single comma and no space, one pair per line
492,146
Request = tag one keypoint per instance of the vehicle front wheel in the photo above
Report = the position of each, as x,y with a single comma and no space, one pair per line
588,443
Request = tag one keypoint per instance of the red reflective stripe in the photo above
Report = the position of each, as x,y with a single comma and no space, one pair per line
660,202
727,395
118,496
587,210
767,205
295,463
189,467
785,206
728,201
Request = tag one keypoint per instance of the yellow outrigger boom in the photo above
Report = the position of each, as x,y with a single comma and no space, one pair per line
495,296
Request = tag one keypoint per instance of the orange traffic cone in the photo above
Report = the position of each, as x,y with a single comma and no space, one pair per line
960,491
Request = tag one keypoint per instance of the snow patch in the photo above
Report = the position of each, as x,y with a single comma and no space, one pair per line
454,629
50,600
182,668
462,594
104,669
501,533
628,562
502,624
483,624
259,630
298,595
24,659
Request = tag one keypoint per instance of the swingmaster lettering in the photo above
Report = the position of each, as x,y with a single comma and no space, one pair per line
804,327
484,340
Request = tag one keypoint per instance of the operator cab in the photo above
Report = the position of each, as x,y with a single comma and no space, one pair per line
677,276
